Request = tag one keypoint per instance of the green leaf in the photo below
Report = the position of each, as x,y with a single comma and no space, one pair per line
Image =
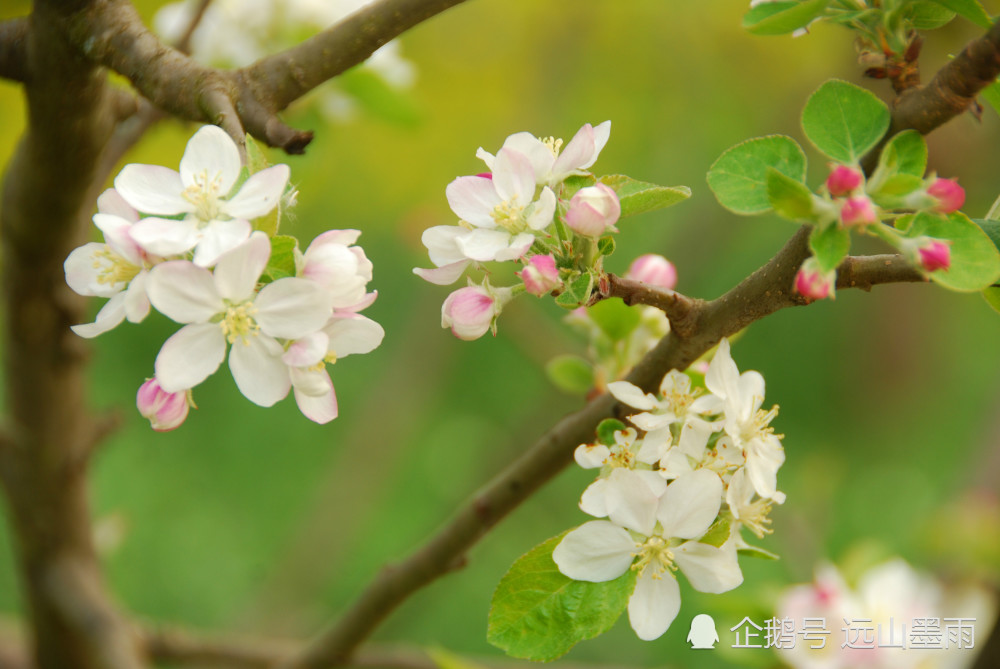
975,261
256,160
717,534
844,121
606,430
572,184
445,659
991,228
615,318
830,244
929,15
282,261
571,374
970,9
778,18
738,178
790,199
576,291
992,295
905,153
539,614
606,245
992,95
757,552
638,197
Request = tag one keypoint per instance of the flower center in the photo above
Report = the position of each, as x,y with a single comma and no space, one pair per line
238,323
655,554
754,517
621,456
509,216
204,195
112,268
759,426
553,144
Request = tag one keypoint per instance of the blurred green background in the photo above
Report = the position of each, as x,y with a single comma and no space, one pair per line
255,520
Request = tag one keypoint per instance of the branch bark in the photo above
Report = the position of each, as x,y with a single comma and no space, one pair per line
13,49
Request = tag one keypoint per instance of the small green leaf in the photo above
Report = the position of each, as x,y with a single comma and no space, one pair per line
779,18
757,552
992,95
606,430
739,177
717,534
606,245
929,15
539,614
844,121
256,160
282,261
975,261
577,291
571,374
615,318
905,153
574,183
992,295
638,197
991,228
790,198
830,244
970,9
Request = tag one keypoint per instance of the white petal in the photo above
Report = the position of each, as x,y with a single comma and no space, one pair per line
319,408
592,500
190,356
152,189
630,501
110,202
486,157
597,551
259,194
136,299
83,268
653,605
440,241
291,308
311,382
656,484
258,370
118,236
213,153
218,238
722,371
473,199
354,334
514,177
591,456
237,271
709,569
342,237
444,275
763,461
307,351
184,292
537,152
694,437
543,210
626,393
690,504
165,237
483,245
675,464
516,247
110,316
653,421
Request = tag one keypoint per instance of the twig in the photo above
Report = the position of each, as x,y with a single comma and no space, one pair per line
183,44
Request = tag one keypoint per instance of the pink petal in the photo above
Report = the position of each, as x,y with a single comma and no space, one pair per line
445,275
319,409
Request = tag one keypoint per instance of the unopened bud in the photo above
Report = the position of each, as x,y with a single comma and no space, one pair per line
653,270
540,275
165,411
813,283
470,311
593,210
843,180
949,195
858,211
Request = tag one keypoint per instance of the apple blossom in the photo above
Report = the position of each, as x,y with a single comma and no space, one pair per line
165,411
843,180
654,270
550,166
540,275
216,219
333,261
471,312
948,194
858,210
593,210
812,283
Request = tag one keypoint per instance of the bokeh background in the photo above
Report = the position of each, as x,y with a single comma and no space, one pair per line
256,520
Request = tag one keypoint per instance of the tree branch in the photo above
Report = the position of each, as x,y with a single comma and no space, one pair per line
13,49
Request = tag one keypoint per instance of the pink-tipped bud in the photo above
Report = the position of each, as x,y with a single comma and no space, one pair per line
935,255
540,275
654,270
165,411
843,180
949,195
593,210
813,283
470,311
858,211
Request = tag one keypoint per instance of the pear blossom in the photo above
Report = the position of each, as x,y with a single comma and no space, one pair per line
117,269
223,307
502,211
745,422
654,544
165,411
593,210
216,219
550,166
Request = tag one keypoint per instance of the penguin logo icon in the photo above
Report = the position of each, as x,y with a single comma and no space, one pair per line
702,634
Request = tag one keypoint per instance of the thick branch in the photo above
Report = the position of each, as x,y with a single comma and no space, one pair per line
13,49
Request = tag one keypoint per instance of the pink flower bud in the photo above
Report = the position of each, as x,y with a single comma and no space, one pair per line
843,180
857,211
935,255
470,311
654,270
165,411
593,210
949,195
540,275
813,283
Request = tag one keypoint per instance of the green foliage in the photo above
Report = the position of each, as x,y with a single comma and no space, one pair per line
790,199
282,261
975,261
779,18
905,153
757,552
829,245
571,374
445,659
606,430
638,197
928,15
574,183
970,9
606,245
844,121
992,95
718,533
615,318
739,177
577,291
539,614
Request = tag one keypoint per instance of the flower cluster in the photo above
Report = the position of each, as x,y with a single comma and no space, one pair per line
196,258
235,33
851,202
526,209
678,496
